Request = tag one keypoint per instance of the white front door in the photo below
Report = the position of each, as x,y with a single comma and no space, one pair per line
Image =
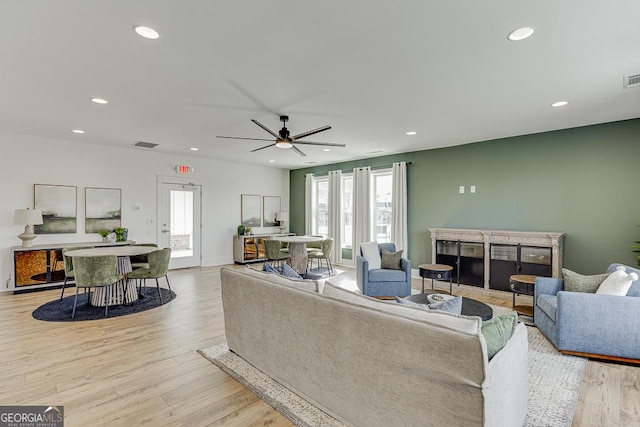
180,227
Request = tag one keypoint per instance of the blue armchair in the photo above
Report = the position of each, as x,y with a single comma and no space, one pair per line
382,282
593,325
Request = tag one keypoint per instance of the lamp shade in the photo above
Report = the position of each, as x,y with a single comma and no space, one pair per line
282,216
27,217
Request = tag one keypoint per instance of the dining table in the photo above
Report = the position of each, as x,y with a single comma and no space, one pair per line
124,267
298,250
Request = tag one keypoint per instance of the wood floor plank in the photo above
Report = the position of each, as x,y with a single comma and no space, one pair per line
143,369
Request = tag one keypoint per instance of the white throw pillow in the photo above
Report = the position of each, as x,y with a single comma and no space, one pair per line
618,282
371,253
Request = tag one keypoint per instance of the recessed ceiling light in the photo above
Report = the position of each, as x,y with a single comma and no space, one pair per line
146,32
520,34
99,101
77,131
271,161
326,149
560,104
411,132
194,149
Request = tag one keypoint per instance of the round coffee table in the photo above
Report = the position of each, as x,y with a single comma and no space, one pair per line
470,307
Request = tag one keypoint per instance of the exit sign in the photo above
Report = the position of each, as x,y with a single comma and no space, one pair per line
183,169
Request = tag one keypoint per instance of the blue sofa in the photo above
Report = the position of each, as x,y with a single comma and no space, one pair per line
382,282
592,325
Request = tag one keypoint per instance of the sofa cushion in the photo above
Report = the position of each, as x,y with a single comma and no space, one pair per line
382,275
634,290
450,305
498,330
618,282
574,282
289,272
308,285
391,260
371,253
467,324
549,305
268,268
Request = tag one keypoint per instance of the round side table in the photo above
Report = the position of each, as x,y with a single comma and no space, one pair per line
436,272
522,284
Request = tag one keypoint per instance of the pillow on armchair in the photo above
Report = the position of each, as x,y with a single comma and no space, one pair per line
391,260
371,253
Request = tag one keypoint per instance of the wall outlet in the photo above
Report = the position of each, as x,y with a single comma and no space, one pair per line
461,189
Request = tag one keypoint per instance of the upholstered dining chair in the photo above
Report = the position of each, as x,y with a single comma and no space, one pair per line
141,261
95,272
323,253
68,266
273,252
158,267
315,246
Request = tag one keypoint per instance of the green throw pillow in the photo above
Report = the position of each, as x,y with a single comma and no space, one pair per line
498,330
391,260
574,282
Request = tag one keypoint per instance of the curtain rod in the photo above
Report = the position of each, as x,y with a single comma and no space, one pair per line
359,167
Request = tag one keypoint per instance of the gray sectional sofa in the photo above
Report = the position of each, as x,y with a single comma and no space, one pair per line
373,363
594,325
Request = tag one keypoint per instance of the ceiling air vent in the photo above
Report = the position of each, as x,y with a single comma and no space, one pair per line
145,144
631,81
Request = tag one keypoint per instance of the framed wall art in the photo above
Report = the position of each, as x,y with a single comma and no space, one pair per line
270,208
103,209
58,206
250,210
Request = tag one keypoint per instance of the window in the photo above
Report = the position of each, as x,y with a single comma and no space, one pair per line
320,207
347,211
382,191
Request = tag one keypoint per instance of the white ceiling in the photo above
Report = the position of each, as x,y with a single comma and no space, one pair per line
371,70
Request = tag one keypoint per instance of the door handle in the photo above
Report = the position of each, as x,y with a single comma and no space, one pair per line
164,230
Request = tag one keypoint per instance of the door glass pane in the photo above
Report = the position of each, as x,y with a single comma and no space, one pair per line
181,209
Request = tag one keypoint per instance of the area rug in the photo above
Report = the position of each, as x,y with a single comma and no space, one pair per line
554,383
60,310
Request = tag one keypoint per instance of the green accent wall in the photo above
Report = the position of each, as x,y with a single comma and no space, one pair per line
579,181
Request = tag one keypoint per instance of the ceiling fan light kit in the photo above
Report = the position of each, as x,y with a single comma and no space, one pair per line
283,140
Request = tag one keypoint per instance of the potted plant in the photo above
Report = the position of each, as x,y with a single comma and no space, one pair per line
121,234
241,230
104,233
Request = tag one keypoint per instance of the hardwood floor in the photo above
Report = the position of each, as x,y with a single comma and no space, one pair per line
143,369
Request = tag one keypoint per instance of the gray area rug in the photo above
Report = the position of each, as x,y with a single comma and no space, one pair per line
554,383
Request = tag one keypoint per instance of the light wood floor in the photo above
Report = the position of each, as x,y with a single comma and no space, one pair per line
143,369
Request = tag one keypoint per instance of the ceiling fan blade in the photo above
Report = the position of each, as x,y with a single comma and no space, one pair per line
297,150
238,137
262,148
311,132
328,144
275,135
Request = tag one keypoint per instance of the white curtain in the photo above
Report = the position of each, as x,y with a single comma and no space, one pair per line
361,209
308,199
399,234
335,214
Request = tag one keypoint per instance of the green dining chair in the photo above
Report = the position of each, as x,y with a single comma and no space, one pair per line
273,252
158,267
68,266
141,261
315,246
96,272
324,253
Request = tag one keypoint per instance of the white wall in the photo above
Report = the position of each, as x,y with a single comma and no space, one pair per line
27,160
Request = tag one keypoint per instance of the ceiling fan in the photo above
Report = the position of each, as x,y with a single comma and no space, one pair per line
283,140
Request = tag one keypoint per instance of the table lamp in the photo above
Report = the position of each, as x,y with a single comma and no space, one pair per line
282,218
28,218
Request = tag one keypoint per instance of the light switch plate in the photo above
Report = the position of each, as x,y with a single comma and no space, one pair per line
461,189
